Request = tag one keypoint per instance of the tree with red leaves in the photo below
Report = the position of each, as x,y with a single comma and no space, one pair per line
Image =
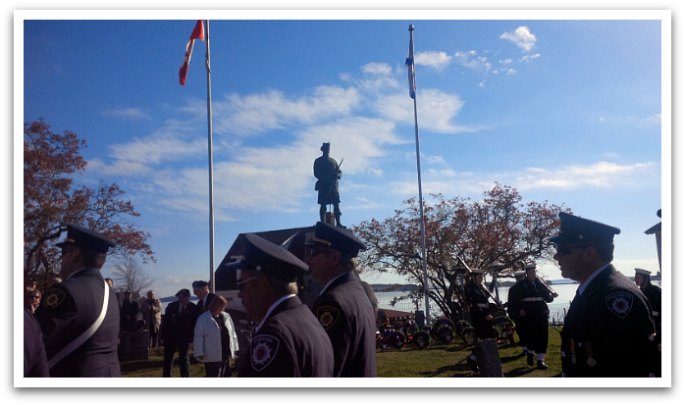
494,234
52,200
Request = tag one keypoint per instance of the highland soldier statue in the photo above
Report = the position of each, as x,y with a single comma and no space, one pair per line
327,172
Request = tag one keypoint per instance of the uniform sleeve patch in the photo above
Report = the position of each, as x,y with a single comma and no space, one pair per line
619,303
264,349
54,297
327,315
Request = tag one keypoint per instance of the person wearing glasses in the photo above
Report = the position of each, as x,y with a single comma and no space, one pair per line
35,359
33,300
343,307
79,317
608,330
288,340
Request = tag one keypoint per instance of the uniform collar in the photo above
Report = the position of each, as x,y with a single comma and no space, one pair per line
76,272
271,309
584,286
335,280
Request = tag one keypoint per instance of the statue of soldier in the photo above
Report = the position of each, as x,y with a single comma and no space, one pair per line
327,172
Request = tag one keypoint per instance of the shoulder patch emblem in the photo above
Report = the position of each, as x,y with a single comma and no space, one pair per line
54,297
264,349
328,316
619,303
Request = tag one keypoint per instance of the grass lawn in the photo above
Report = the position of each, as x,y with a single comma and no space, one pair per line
438,360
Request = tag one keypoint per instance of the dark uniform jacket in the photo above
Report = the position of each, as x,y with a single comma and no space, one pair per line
290,343
70,308
178,328
607,330
480,308
203,306
327,172
35,360
514,300
345,312
653,294
533,299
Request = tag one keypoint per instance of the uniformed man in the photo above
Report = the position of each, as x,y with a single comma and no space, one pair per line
80,316
513,301
288,340
485,358
534,315
343,307
608,328
327,172
653,294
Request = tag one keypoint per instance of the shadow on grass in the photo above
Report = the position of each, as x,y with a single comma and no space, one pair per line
133,366
519,371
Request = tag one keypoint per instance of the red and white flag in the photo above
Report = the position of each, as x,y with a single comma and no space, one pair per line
198,33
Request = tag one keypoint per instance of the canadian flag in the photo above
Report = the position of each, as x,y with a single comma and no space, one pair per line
198,33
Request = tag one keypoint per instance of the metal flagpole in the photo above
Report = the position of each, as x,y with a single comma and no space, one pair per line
211,164
422,227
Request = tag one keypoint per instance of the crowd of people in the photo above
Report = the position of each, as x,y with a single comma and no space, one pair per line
612,328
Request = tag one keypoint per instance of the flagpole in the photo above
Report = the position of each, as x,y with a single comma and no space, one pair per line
211,164
422,226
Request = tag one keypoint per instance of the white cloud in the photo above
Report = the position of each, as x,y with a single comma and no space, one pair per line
521,37
377,78
258,113
275,179
529,58
118,168
473,61
598,175
156,149
434,59
126,113
375,68
436,110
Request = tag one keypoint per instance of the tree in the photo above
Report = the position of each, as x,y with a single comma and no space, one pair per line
494,234
52,200
130,276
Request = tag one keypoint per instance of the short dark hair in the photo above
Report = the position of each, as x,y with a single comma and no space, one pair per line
91,258
605,252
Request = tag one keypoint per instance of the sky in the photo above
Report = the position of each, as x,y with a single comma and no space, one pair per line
569,111
580,124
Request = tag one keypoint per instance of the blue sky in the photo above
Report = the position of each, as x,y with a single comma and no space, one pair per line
568,111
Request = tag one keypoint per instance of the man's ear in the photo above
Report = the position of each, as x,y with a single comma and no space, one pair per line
590,254
334,255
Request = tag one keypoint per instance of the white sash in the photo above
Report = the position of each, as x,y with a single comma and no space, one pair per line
76,343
